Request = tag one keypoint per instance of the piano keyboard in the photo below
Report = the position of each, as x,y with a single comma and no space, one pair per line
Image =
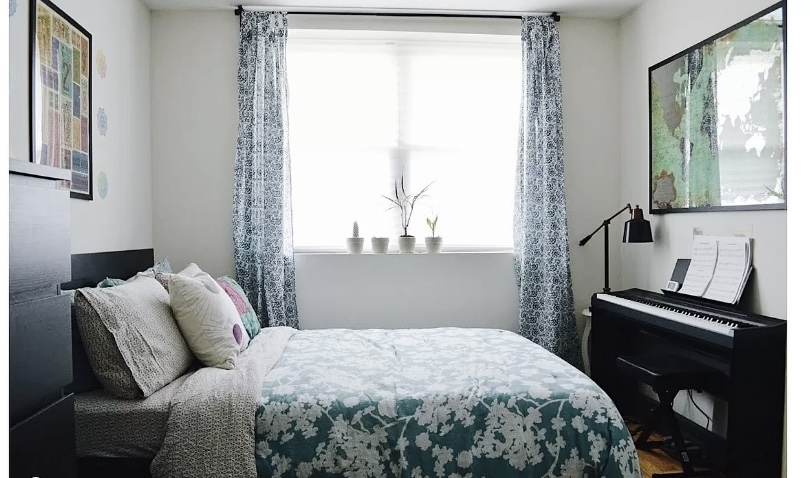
696,319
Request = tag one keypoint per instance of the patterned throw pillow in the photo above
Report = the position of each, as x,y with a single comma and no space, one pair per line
158,268
109,282
162,267
132,341
240,300
208,319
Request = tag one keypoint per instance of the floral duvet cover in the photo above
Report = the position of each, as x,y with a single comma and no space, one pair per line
441,402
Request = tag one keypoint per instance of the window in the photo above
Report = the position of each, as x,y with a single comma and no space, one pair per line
367,106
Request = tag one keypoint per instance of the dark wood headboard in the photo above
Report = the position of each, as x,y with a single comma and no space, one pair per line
89,269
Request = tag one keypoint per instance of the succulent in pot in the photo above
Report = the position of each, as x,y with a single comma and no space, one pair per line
433,244
354,244
405,203
379,245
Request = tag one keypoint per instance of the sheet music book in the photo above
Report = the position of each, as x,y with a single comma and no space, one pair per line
701,269
719,269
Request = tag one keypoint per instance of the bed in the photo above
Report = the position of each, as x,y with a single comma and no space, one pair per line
434,402
445,402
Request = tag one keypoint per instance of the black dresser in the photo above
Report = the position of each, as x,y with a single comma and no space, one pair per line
42,438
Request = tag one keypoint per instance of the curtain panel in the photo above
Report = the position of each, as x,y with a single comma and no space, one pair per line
547,315
262,211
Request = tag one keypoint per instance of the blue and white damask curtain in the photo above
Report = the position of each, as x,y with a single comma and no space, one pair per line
547,314
262,212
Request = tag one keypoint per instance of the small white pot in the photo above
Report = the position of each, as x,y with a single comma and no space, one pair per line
433,245
379,245
406,244
355,245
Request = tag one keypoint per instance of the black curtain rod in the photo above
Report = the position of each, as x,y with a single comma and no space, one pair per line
555,16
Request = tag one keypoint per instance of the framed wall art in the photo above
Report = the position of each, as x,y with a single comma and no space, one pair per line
717,121
61,95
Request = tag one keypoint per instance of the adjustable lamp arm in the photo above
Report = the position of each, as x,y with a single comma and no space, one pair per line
604,225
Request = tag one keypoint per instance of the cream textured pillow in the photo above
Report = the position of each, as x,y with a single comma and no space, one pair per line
191,270
208,319
133,344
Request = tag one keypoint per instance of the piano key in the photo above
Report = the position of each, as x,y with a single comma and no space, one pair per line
665,312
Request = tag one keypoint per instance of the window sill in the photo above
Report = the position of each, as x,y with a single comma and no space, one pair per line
417,252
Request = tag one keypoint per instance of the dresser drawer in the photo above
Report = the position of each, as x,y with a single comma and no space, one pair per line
40,354
44,445
39,234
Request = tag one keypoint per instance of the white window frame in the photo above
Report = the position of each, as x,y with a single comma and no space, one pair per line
411,30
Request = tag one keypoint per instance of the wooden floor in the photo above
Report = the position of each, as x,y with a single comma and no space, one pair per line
654,461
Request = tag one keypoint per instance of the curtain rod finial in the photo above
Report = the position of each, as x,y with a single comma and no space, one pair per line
239,10
555,16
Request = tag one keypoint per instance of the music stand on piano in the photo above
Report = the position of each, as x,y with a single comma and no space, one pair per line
679,274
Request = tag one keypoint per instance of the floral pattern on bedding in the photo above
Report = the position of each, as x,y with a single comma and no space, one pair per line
456,403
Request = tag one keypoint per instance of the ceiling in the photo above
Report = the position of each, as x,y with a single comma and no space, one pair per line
579,8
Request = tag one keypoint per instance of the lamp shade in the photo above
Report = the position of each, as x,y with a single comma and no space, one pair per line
637,229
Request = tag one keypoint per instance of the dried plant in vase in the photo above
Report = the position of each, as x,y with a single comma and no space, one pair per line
355,243
405,203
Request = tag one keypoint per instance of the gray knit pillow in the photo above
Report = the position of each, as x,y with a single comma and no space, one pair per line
107,363
131,338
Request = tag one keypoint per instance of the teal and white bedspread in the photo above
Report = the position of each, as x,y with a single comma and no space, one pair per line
447,402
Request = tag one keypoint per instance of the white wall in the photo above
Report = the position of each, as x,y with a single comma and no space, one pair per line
194,123
407,291
121,28
654,31
590,75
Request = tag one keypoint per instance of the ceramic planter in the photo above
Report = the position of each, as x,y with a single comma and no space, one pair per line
355,245
379,245
406,244
433,245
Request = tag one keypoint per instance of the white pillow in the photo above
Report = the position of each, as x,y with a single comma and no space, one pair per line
207,319
191,270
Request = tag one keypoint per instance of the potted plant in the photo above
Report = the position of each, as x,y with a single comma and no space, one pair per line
433,244
355,243
405,203
379,245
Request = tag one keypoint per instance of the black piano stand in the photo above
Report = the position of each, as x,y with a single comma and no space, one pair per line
668,375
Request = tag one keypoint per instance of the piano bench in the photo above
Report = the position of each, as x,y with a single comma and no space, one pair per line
668,374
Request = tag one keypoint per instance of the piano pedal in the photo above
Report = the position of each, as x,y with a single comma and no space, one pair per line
688,444
694,453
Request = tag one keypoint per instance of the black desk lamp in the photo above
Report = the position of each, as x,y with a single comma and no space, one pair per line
637,229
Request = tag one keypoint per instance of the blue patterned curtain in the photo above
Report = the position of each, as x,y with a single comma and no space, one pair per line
262,212
547,314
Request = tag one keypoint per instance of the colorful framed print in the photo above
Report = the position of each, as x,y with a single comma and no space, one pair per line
61,95
717,121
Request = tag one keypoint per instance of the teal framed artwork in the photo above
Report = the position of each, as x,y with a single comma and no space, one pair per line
717,121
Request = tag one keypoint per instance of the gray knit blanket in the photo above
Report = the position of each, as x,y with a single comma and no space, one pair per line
210,431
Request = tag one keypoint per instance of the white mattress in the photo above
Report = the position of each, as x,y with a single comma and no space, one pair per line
111,427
